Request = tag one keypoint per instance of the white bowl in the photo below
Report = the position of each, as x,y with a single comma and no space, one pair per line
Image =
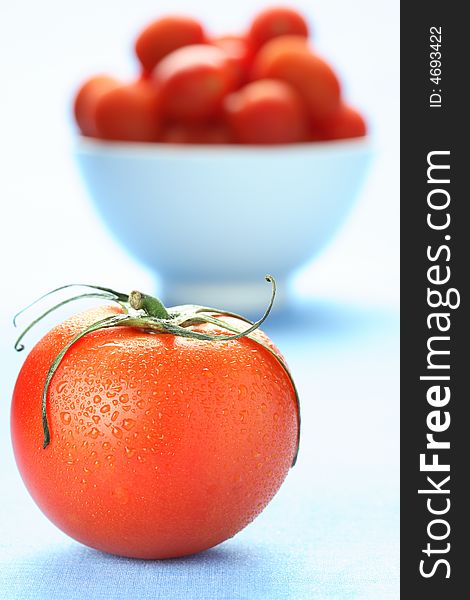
213,220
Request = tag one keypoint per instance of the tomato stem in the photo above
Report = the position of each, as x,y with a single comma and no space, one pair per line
149,314
151,306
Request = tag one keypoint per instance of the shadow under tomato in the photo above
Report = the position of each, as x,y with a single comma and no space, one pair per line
74,572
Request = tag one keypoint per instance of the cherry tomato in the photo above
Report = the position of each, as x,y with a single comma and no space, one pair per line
182,133
86,100
240,56
165,35
160,445
347,122
293,62
275,48
193,82
129,113
274,22
266,112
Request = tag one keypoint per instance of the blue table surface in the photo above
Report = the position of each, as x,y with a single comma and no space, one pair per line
332,531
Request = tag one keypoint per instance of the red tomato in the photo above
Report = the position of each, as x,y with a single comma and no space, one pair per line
181,133
193,82
165,35
160,446
129,113
290,60
274,22
275,48
347,122
86,99
266,112
240,56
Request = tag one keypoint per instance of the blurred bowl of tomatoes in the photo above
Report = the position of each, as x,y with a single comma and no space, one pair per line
227,157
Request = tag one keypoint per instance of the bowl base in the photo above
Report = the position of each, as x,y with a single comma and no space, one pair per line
248,298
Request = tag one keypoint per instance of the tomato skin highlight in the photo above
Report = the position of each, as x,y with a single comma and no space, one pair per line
274,22
266,112
240,55
165,35
193,82
160,446
275,48
313,78
86,99
129,113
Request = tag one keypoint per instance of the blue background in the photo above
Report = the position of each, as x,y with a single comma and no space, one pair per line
332,532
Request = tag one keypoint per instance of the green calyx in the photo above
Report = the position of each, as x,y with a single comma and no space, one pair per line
149,314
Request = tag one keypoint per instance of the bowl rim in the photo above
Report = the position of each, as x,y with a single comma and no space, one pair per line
89,145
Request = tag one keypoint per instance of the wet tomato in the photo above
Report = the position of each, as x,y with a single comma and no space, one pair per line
157,444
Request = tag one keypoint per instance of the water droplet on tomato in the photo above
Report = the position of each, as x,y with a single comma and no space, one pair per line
140,404
117,432
124,398
61,387
128,424
115,415
96,419
242,390
130,452
263,407
65,418
106,445
94,433
97,399
105,408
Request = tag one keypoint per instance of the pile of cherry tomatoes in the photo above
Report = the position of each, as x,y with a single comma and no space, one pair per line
267,86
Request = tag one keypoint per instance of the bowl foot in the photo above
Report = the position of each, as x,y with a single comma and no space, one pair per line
248,298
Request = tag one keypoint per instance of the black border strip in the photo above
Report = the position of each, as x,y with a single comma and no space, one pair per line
426,128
